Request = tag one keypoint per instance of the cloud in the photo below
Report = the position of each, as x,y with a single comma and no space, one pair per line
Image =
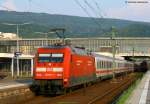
9,5
131,11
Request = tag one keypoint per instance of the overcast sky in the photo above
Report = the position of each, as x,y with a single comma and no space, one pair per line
120,9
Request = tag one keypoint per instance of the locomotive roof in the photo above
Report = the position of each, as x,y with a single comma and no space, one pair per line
54,46
77,50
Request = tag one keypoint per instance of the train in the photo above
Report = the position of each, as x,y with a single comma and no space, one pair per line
141,66
59,67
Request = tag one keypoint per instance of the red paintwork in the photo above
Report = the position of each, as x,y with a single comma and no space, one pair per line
82,66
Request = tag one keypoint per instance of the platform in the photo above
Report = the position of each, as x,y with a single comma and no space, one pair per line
141,94
12,83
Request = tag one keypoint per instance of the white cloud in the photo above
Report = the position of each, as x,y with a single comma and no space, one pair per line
132,11
9,4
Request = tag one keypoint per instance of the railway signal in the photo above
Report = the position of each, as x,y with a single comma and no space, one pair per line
17,54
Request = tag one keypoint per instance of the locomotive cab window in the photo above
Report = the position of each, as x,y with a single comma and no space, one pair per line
57,57
44,57
53,57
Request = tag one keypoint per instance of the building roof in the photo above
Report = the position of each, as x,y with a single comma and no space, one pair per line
11,55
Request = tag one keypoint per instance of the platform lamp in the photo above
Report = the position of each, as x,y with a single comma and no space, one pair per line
17,53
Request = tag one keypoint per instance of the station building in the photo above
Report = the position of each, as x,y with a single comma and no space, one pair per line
28,48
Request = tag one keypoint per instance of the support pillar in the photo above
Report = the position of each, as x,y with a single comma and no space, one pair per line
32,67
12,67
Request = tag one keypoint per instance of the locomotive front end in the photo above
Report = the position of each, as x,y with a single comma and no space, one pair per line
49,66
50,70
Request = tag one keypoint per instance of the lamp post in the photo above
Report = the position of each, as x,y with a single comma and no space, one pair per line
17,53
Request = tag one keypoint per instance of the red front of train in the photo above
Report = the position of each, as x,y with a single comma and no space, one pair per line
58,67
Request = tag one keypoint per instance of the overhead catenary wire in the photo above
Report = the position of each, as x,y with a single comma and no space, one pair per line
99,9
104,14
92,8
97,12
85,10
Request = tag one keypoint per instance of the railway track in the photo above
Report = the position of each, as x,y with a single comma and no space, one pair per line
103,99
101,93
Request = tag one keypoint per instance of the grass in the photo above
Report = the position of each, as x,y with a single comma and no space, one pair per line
123,98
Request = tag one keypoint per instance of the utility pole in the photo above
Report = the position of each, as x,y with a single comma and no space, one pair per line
113,33
17,56
17,53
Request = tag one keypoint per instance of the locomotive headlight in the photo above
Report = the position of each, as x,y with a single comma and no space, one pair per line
57,69
41,69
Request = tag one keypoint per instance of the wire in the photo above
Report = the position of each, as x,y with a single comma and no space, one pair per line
98,8
92,8
84,9
104,14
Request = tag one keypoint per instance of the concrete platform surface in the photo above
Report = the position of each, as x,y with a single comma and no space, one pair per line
10,83
141,93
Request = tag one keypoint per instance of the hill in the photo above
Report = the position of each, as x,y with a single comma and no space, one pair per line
75,26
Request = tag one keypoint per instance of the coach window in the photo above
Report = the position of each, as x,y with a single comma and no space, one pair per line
104,64
101,64
107,64
110,65
98,65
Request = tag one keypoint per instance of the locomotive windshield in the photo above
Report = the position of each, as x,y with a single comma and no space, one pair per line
52,57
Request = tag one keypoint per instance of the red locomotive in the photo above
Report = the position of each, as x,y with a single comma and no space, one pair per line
58,67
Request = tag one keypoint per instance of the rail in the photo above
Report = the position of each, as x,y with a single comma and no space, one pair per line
98,98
